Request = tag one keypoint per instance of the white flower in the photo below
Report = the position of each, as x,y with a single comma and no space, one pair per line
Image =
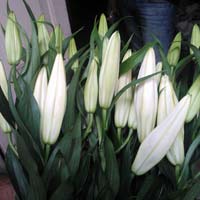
109,71
146,97
166,103
123,104
55,103
158,142
91,88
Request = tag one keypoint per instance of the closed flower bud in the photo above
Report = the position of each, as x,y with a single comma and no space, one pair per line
13,42
40,91
55,103
166,103
132,123
146,97
72,50
91,88
158,69
194,92
104,47
175,50
4,86
158,142
195,38
109,71
103,26
43,36
123,104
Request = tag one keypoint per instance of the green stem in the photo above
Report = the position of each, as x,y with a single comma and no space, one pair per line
89,126
125,142
11,144
104,116
47,151
99,129
119,135
177,172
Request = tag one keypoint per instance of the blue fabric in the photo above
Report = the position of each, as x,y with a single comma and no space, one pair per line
157,19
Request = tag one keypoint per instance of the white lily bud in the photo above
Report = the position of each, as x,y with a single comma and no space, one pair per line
40,91
91,88
194,91
158,69
146,97
55,103
132,122
43,36
5,127
104,47
175,50
123,104
195,38
109,71
166,103
158,142
72,50
103,26
13,43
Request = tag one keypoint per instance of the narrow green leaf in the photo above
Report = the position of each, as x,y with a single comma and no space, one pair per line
112,171
185,171
16,174
134,60
194,192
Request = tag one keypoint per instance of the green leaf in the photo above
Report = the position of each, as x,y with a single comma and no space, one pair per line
126,46
63,192
196,54
37,189
194,192
136,58
70,114
35,58
112,170
16,174
145,187
4,108
185,171
182,64
29,112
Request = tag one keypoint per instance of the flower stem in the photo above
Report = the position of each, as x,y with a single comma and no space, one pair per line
11,144
88,129
104,116
47,151
119,135
125,142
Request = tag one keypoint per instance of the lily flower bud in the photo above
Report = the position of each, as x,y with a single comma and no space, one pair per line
195,38
91,88
103,26
104,47
175,50
72,50
123,104
166,103
158,69
132,123
55,103
158,142
13,42
146,94
40,91
194,92
4,86
109,71
43,36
